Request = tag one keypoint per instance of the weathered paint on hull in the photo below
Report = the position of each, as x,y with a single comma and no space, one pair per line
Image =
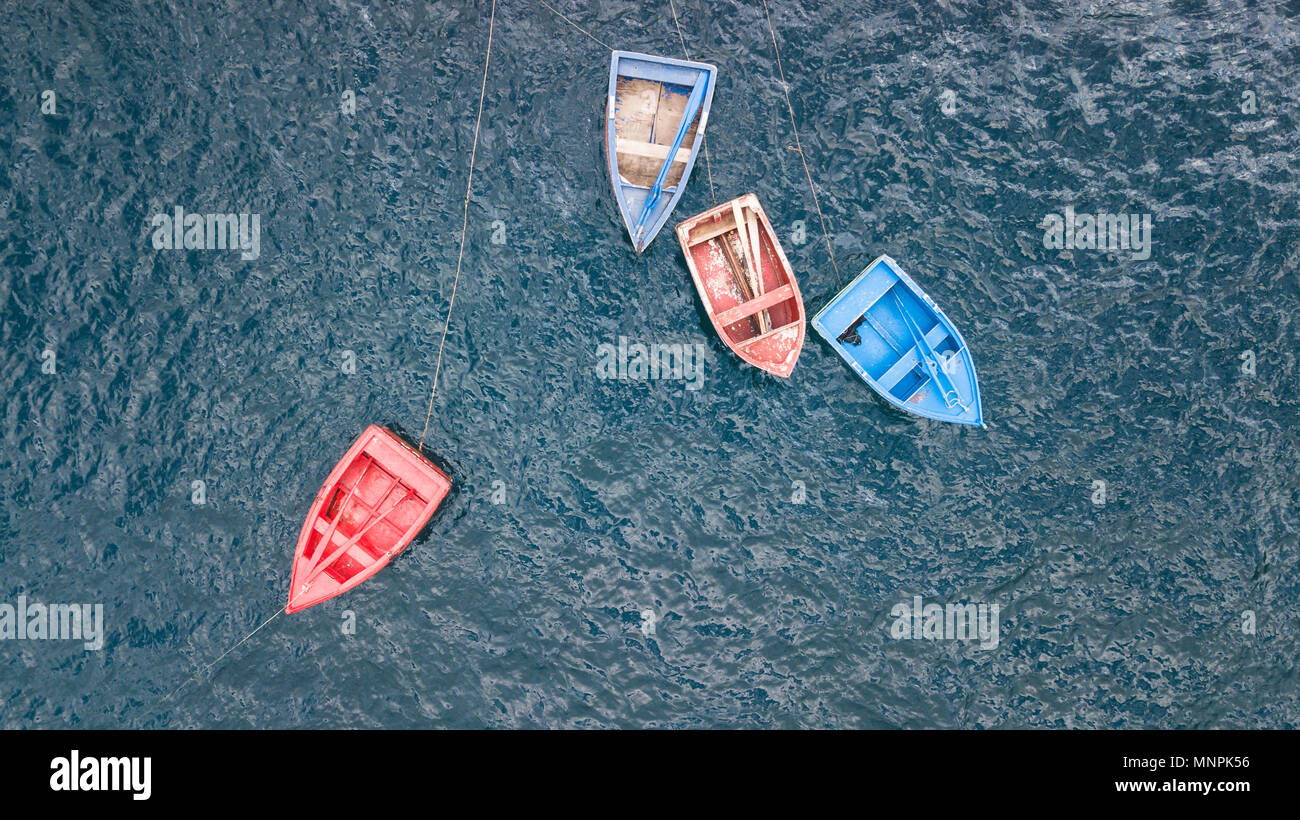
710,243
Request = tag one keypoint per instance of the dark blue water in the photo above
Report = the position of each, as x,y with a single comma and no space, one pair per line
172,367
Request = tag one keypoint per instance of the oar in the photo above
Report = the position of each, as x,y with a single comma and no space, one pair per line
886,335
756,250
692,105
338,517
737,274
929,357
325,563
893,343
747,255
756,255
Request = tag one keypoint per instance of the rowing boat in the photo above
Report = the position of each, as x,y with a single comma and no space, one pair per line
745,283
375,501
897,339
654,126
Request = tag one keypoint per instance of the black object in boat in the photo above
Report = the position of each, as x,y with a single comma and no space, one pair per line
850,335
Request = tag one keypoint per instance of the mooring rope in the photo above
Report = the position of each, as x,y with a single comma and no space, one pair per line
575,25
704,142
799,145
208,668
464,227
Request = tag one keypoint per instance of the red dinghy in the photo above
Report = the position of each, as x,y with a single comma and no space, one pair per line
746,283
378,498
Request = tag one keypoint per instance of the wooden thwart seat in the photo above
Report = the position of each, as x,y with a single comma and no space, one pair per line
756,339
870,291
336,539
712,230
650,150
332,550
746,309
910,360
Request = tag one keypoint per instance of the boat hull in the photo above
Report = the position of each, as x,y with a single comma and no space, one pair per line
882,324
648,99
374,502
758,311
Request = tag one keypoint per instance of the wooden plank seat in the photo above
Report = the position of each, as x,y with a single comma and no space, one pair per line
910,359
746,309
750,342
650,150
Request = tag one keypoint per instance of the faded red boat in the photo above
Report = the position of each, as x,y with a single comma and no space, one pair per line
376,500
745,281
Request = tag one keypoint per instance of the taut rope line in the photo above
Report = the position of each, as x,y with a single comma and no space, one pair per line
704,141
464,227
575,25
799,145
207,668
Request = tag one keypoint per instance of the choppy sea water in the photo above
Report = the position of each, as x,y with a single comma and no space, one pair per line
1131,508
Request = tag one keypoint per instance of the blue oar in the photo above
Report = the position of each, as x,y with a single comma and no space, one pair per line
929,357
692,105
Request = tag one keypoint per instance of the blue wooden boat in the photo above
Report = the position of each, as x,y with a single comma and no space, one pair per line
898,340
653,130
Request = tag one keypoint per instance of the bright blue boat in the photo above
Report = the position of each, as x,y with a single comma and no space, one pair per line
653,130
902,344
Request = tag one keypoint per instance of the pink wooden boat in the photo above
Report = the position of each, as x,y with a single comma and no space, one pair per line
374,502
746,284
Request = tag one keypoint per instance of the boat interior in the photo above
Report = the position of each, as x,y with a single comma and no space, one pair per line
647,115
750,293
881,341
368,512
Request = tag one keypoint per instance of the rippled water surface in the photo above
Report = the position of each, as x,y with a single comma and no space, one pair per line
941,134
